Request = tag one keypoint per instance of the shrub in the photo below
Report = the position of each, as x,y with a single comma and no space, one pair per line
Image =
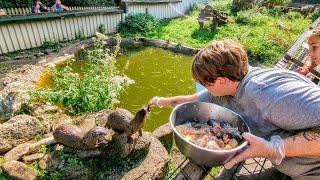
251,17
87,89
102,29
273,3
50,45
138,24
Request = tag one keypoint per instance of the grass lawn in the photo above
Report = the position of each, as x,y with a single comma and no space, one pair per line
265,33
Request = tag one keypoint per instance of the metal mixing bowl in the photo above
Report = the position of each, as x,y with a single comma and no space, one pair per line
202,112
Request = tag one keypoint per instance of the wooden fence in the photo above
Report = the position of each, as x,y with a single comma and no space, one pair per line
24,31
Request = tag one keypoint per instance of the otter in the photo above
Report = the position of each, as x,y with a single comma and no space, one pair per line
72,136
122,121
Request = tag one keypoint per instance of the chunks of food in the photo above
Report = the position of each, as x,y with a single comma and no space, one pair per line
213,135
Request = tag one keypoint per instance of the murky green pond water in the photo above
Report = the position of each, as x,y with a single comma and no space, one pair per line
156,72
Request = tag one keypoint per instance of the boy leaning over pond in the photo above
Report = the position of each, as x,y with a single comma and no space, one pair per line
281,107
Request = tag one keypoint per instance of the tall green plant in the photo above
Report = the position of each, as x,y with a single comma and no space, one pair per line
89,88
138,24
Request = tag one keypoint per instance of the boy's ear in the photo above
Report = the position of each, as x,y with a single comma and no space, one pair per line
223,80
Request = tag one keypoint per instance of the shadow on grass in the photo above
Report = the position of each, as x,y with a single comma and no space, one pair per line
204,35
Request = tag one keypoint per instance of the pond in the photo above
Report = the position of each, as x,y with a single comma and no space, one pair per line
156,72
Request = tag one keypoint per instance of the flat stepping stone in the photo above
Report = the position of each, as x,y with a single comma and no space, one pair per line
18,170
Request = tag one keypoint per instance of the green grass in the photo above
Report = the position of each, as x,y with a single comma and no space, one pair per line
257,29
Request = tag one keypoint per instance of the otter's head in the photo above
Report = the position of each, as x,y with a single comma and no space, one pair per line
97,135
141,115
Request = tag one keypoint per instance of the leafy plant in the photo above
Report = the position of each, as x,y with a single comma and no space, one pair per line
102,29
273,3
50,45
137,24
88,88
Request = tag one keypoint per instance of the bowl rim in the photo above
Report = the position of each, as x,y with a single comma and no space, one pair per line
243,145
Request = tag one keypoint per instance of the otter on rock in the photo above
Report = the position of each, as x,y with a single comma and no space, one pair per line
122,121
72,136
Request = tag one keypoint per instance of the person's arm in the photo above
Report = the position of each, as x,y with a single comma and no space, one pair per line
303,144
53,8
305,69
65,7
306,144
295,108
173,101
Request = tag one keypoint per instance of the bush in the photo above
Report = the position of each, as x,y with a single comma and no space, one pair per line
273,3
102,29
251,17
138,24
294,15
83,89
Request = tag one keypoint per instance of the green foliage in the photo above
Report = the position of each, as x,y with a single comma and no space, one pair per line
252,17
294,15
88,88
102,29
315,15
259,30
80,35
50,45
3,175
273,3
138,24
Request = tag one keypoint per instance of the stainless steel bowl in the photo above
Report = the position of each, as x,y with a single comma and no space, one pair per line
202,112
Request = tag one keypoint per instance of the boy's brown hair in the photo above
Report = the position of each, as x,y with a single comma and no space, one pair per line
220,59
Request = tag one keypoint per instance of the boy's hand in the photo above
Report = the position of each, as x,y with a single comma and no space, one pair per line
155,101
303,70
259,147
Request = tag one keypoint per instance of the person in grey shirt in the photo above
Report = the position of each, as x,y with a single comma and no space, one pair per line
281,107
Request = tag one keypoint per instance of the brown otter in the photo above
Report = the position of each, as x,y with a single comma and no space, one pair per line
122,121
72,136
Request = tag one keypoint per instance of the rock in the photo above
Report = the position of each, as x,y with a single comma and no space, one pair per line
18,57
14,86
19,170
85,122
51,121
51,162
40,54
17,152
238,5
33,157
10,103
100,117
34,147
38,109
4,145
165,134
18,130
119,147
152,164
